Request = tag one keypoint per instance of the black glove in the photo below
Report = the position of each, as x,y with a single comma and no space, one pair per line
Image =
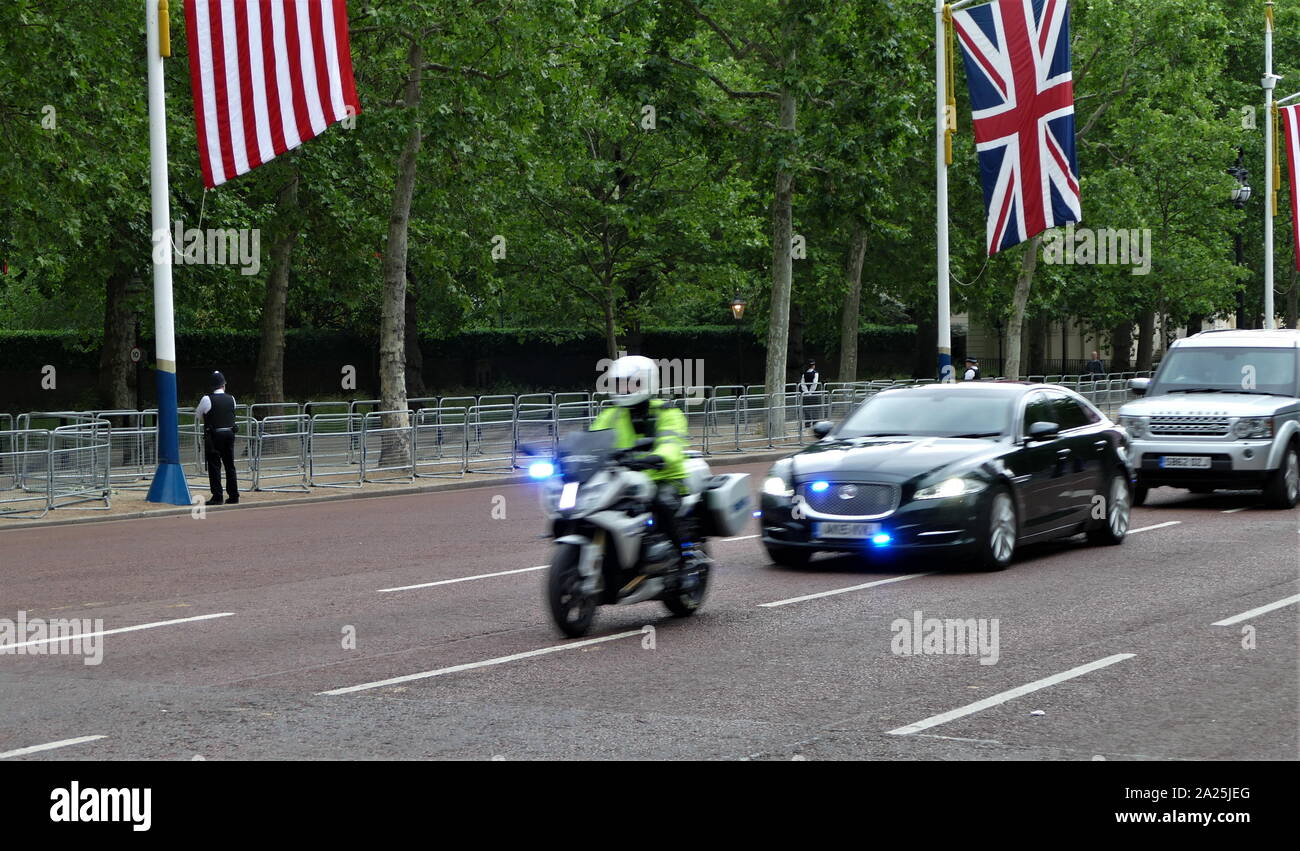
645,462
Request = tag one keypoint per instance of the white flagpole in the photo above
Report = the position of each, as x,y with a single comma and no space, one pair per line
941,192
169,485
1268,83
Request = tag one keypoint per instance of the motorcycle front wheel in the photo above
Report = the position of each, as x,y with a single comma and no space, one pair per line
573,611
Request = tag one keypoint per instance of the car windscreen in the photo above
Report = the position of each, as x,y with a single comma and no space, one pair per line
937,413
1227,370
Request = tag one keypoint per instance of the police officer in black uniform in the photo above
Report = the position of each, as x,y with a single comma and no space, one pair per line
972,372
218,412
810,385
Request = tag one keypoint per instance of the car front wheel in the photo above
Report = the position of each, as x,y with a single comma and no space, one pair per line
1283,490
997,545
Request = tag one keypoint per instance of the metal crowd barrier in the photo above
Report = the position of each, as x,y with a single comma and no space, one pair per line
54,459
387,446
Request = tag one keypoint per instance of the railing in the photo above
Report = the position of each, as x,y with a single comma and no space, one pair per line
57,459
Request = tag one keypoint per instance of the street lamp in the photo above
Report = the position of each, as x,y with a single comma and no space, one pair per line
738,311
1240,195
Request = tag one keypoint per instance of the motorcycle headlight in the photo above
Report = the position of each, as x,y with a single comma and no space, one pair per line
1253,427
956,486
1135,426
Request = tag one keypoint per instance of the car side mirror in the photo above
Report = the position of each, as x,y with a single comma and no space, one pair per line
1043,431
1139,386
821,428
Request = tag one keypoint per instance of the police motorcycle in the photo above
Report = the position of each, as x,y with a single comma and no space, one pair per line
607,550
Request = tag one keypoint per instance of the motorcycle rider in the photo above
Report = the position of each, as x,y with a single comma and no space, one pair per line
636,414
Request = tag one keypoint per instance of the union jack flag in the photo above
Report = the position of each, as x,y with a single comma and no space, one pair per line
1017,58
1291,138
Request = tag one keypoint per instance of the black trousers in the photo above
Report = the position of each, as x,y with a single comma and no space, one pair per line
219,447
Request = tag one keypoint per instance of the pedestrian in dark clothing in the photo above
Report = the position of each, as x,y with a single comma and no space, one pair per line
809,391
1095,366
972,372
218,412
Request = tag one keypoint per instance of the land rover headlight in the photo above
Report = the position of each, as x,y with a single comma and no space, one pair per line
1135,426
778,482
948,488
1253,427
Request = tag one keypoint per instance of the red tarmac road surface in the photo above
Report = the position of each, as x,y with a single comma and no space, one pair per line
814,678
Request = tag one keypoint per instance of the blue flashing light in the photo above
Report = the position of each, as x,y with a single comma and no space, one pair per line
818,487
758,514
880,539
541,469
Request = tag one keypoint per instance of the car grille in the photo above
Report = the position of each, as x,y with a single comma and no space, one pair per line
1210,426
852,499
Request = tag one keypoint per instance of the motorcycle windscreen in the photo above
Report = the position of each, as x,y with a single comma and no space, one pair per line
584,453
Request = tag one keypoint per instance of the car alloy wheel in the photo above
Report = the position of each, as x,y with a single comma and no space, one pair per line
1117,514
1292,477
1002,528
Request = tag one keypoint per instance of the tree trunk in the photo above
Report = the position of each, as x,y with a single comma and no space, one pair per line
1293,302
1121,347
115,365
611,329
269,379
778,331
1146,339
1037,345
414,357
1016,325
851,316
392,328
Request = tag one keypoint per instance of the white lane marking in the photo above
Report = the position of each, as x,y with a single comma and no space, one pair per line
62,743
508,572
1003,697
1157,526
500,660
1234,510
1245,616
463,579
845,590
121,629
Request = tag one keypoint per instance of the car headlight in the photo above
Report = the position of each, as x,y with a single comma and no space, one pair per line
1135,426
956,486
1253,427
777,486
778,481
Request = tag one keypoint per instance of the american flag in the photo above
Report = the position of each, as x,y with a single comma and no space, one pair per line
1017,59
1291,140
267,76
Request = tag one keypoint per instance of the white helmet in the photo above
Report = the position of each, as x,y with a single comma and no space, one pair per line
632,379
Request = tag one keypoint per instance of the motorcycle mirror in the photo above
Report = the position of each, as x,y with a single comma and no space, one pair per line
822,428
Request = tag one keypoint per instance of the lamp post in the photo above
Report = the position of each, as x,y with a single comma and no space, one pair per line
1240,195
738,312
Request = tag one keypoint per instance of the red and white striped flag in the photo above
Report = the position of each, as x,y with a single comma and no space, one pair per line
1291,140
267,76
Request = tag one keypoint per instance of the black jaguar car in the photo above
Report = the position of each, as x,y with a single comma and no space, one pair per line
976,468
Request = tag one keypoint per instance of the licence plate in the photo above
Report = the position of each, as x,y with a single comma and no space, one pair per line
1194,462
845,530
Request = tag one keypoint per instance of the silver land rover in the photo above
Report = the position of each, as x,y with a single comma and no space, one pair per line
1223,411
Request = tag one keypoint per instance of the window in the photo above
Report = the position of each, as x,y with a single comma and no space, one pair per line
1070,414
1038,410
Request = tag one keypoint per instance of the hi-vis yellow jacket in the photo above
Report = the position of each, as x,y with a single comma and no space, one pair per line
669,434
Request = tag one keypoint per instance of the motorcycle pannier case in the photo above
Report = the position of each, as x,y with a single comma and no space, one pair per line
730,504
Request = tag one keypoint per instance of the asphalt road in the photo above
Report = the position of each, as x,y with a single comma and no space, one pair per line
1102,652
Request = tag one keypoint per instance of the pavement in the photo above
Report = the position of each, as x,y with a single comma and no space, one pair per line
412,626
